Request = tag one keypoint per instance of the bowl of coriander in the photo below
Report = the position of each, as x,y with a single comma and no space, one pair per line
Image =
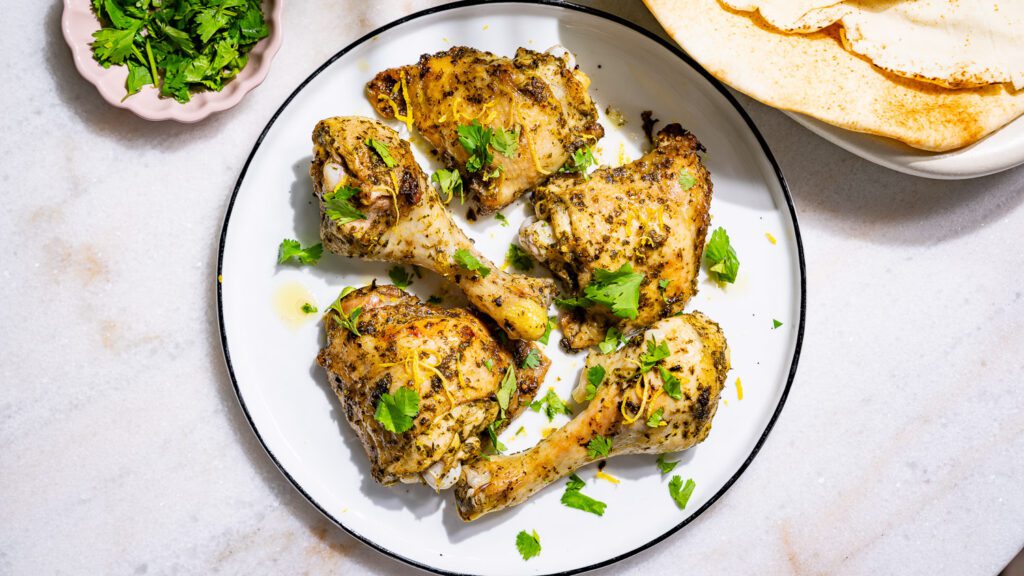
173,59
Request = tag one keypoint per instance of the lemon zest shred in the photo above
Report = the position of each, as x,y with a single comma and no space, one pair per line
408,104
394,194
770,238
605,476
643,401
739,389
650,406
529,142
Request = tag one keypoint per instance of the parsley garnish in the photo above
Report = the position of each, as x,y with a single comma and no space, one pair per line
475,140
505,390
664,465
309,308
680,492
395,413
612,339
775,324
450,182
655,353
400,277
547,330
382,150
465,259
552,405
654,420
489,363
595,376
492,432
670,384
581,160
506,141
292,249
599,447
532,359
518,258
721,257
337,205
501,218
348,321
618,290
528,544
686,180
573,498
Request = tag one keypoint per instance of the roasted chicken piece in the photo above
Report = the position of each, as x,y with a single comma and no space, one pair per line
375,203
396,341
651,400
535,105
651,215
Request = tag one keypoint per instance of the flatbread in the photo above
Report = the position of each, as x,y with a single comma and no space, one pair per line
815,75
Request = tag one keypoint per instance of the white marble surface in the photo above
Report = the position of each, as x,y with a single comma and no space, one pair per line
901,449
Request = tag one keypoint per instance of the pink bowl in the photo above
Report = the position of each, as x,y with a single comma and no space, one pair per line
78,23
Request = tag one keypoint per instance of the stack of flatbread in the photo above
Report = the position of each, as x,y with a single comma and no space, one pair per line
935,74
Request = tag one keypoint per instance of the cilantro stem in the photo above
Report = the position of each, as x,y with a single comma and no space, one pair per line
152,64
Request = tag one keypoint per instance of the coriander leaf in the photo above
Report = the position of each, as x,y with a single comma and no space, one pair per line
775,324
599,447
518,258
532,359
252,25
475,140
572,302
686,180
382,150
292,249
465,259
662,287
666,466
309,308
395,412
581,160
573,498
506,141
492,432
670,384
575,482
117,17
112,46
348,321
400,277
338,206
618,290
489,363
655,353
507,387
138,76
502,219
547,330
654,420
595,377
552,405
612,339
528,544
450,183
209,21
721,257
679,492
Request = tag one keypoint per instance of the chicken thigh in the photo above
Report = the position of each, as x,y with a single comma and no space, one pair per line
505,123
657,394
381,340
650,215
375,203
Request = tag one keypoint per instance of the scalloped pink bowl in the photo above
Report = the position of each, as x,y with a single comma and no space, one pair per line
78,23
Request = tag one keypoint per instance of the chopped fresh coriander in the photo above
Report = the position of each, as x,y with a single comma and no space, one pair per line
666,466
721,257
611,342
506,141
489,363
573,498
395,413
686,180
575,482
655,421
547,330
655,353
382,150
501,218
618,290
400,277
663,286
532,359
552,405
595,377
435,300
450,183
292,249
309,308
599,447
465,259
572,302
348,321
518,258
475,140
680,492
670,384
507,387
492,433
581,160
528,544
775,324
337,205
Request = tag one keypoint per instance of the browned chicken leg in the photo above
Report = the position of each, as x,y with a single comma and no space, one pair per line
375,203
396,342
658,394
651,214
536,106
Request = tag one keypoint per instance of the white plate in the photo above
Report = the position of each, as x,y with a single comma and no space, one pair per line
295,414
1001,150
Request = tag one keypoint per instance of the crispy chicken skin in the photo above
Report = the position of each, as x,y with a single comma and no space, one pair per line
541,95
651,214
698,357
406,222
440,353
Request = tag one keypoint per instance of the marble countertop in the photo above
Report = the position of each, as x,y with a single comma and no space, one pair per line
901,448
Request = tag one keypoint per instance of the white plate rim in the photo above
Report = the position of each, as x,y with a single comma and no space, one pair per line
675,50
